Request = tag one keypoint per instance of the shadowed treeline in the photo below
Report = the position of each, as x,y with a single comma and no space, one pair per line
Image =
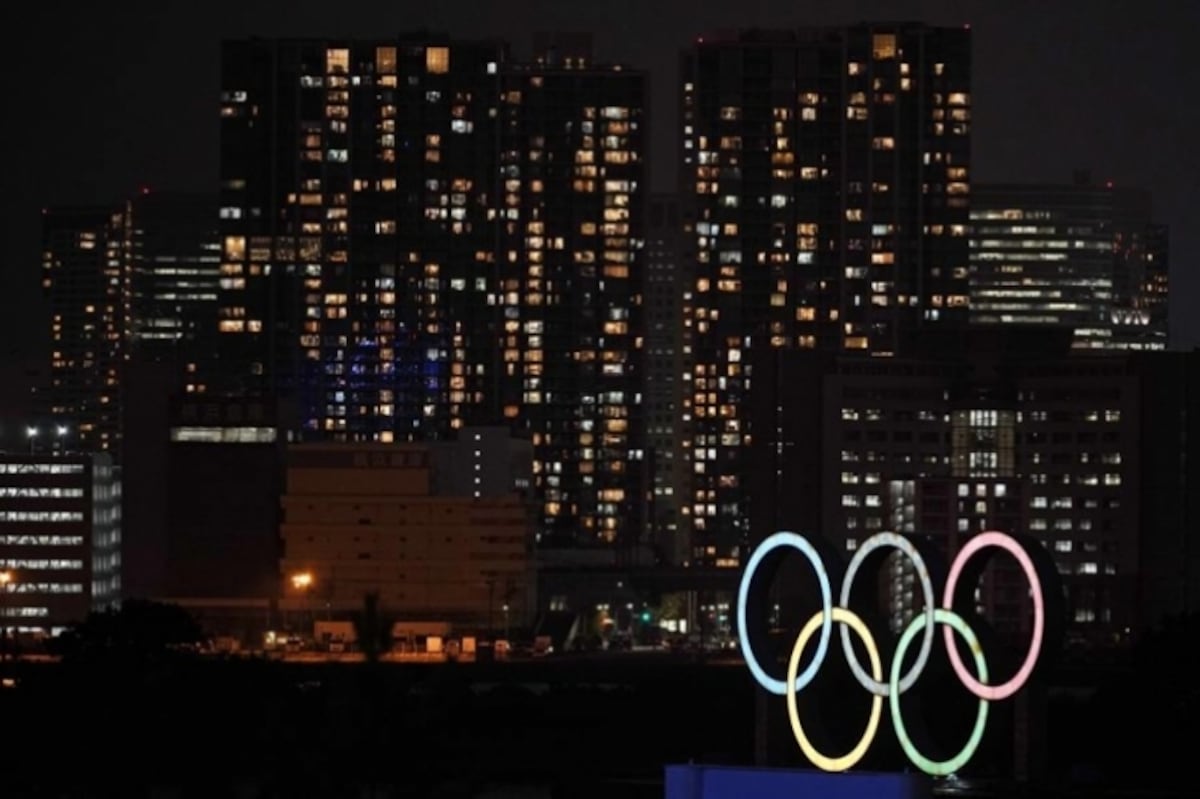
114,724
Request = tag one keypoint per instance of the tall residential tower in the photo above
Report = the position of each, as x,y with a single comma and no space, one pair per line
86,284
829,171
421,234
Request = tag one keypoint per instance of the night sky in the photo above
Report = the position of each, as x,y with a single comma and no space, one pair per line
104,98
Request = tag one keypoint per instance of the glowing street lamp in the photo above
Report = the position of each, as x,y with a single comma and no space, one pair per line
32,432
60,432
303,581
6,578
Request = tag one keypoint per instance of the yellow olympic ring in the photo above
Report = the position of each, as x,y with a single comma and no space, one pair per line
848,760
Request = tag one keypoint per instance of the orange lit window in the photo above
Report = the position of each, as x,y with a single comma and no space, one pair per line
437,60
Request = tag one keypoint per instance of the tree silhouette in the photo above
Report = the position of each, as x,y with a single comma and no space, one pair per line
1151,713
138,629
373,630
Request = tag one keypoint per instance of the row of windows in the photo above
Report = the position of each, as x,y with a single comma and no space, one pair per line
46,588
1001,491
41,516
41,468
982,418
41,493
41,540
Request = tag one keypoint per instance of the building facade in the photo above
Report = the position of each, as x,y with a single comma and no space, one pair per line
1170,478
483,462
366,518
85,280
60,539
224,475
992,432
421,234
829,171
1082,256
137,280
667,278
172,251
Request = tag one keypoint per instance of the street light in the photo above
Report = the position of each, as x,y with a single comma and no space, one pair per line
32,433
303,581
6,578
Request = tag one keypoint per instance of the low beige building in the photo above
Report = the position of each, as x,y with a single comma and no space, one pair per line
365,518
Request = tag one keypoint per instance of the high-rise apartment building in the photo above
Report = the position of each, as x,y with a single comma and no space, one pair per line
420,234
1082,256
829,172
136,280
86,283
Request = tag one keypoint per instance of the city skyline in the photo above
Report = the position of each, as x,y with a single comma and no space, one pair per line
482,381
419,232
1069,82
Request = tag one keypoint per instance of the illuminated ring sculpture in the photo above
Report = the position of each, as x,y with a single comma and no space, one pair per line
904,546
850,621
954,623
924,623
993,539
806,549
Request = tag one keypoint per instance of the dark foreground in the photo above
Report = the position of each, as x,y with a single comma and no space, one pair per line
604,727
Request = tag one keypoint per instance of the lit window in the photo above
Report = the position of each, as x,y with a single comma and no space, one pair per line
884,46
337,61
385,60
437,60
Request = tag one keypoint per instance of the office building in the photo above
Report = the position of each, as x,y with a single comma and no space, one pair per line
422,234
1140,320
1082,256
60,537
364,519
829,171
1000,430
172,250
85,280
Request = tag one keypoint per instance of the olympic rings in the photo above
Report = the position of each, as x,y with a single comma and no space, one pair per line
785,539
997,692
924,623
954,623
906,547
846,761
